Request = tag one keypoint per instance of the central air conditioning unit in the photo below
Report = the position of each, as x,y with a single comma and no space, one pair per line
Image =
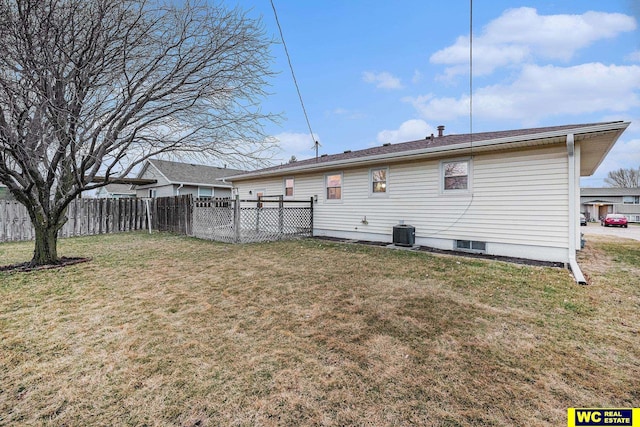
404,235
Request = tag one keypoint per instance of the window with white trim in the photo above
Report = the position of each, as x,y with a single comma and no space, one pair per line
288,187
379,178
455,175
205,192
631,200
333,184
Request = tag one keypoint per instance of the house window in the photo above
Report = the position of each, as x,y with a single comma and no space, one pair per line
152,193
631,200
455,175
334,186
471,246
379,180
205,192
288,187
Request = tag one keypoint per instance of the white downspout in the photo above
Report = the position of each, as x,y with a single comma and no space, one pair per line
573,218
178,189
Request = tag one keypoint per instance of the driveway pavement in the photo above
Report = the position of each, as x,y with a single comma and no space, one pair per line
594,228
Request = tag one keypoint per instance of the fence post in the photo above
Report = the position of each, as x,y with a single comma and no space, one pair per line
280,216
311,207
236,220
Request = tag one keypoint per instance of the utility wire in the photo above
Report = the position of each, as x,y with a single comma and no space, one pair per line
304,110
471,72
466,209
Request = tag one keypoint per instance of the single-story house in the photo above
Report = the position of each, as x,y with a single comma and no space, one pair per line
176,178
4,193
596,203
116,191
510,193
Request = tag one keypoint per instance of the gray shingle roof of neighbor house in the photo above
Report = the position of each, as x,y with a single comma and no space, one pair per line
609,191
189,173
461,143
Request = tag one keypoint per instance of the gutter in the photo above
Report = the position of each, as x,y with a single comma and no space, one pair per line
573,263
542,138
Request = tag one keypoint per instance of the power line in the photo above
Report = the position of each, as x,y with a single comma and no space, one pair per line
293,74
471,67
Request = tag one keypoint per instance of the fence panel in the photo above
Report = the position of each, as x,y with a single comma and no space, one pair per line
15,224
246,221
214,220
173,214
84,217
225,220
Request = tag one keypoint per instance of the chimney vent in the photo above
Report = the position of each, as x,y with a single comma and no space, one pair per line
440,130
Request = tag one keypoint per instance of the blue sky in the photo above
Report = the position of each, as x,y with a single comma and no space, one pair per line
373,71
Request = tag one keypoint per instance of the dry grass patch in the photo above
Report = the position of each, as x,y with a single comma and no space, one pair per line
167,330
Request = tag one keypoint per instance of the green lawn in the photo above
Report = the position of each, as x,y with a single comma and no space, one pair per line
165,330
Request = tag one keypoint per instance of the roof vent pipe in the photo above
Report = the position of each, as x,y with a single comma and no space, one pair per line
440,130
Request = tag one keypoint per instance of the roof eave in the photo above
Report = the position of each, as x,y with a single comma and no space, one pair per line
620,129
542,138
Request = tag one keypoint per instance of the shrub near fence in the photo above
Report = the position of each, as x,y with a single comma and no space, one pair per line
84,217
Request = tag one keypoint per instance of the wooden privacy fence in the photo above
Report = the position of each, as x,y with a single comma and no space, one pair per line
225,220
84,217
172,214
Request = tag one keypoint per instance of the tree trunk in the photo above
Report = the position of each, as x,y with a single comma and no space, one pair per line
46,249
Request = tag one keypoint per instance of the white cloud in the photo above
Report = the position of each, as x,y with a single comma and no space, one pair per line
408,131
520,35
633,56
542,92
382,80
295,144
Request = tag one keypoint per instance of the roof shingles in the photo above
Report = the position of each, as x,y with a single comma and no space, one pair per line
179,173
428,142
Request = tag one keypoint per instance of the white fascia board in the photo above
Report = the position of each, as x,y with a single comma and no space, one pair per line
534,139
203,184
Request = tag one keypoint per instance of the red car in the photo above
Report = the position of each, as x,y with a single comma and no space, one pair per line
617,220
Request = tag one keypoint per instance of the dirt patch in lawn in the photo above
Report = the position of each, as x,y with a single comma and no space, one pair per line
514,260
25,267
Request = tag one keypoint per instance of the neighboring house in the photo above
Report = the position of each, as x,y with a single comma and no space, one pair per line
513,193
116,191
596,203
175,179
4,193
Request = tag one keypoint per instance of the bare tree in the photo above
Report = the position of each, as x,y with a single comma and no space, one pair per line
91,89
624,178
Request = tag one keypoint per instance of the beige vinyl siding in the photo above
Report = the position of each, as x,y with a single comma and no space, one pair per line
161,191
518,197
